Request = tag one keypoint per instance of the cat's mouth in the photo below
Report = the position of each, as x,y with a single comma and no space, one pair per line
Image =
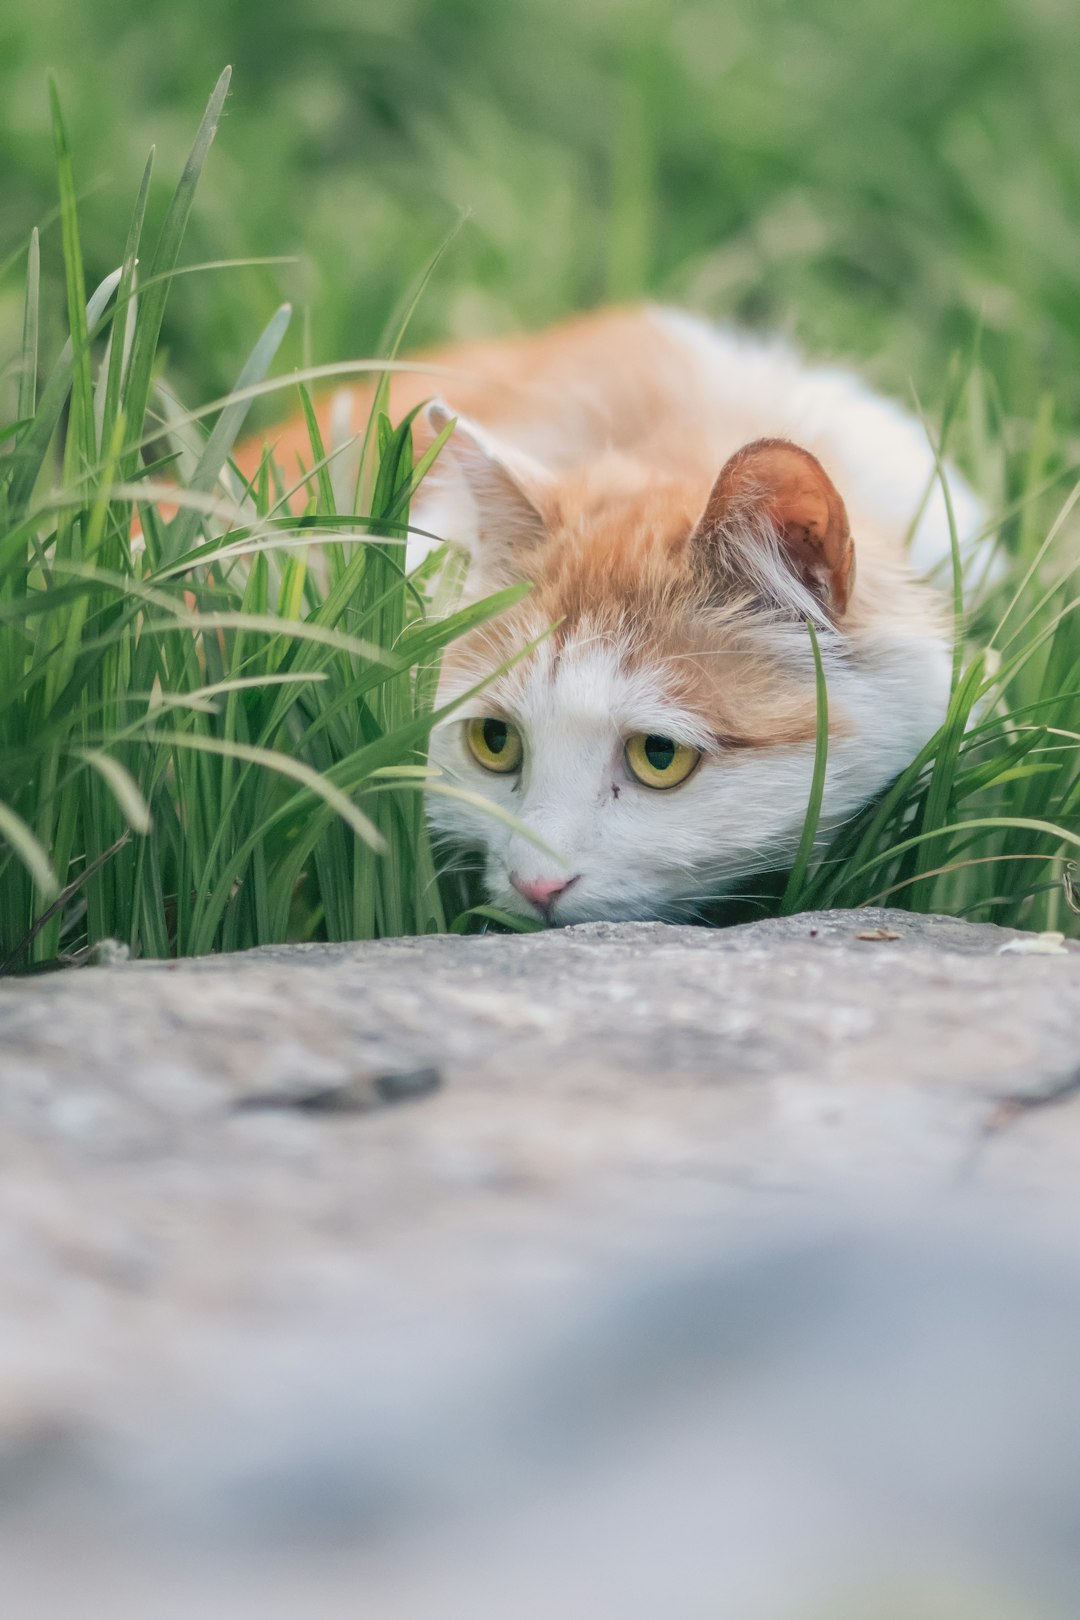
573,903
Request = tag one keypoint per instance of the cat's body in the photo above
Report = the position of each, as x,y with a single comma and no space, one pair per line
588,460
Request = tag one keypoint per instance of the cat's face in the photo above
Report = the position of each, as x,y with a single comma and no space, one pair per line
658,743
644,809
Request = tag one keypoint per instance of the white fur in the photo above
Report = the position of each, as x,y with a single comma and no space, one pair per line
638,852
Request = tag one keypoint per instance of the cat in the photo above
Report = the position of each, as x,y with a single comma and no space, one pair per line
683,499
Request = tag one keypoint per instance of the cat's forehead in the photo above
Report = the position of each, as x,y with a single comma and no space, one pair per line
632,636
589,682
618,559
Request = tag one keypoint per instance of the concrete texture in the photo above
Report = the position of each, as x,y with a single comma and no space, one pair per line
392,1253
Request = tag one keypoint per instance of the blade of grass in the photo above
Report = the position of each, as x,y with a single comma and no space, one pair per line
81,431
125,789
152,305
793,891
28,360
227,428
29,850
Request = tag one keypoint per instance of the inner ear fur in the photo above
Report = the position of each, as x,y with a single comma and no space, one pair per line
505,490
774,491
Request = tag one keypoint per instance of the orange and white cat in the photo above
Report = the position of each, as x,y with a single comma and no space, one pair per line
683,499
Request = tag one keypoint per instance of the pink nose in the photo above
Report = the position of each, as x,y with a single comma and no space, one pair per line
541,892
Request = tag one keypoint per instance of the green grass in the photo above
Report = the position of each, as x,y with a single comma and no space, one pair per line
218,738
213,737
871,178
986,820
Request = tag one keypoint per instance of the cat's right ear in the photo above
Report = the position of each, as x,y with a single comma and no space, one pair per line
496,496
776,521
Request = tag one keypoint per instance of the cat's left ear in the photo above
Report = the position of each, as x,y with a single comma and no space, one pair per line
775,518
502,493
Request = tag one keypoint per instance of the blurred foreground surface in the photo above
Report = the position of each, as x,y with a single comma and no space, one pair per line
619,1271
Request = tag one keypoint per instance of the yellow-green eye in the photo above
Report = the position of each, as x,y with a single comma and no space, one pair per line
494,744
659,762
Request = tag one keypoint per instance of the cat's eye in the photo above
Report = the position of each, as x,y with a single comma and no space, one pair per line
494,744
659,762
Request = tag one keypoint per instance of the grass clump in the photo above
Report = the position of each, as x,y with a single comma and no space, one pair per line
985,822
213,714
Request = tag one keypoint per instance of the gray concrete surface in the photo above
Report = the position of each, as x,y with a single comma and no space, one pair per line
570,1273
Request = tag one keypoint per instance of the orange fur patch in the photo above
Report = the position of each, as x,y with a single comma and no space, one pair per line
618,564
608,403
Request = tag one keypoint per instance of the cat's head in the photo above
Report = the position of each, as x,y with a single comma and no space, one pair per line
658,742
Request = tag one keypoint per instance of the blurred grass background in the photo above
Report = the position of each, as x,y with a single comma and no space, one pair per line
894,185
872,179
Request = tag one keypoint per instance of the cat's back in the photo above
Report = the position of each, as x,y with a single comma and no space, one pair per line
679,395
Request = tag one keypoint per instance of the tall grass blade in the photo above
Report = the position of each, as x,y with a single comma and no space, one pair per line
28,359
167,252
790,900
81,431
226,430
121,339
33,855
34,445
124,788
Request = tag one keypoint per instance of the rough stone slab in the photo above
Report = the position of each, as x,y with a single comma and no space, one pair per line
595,1082
775,1050
187,1262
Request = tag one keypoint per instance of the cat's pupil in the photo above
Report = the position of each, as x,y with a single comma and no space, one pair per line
495,735
659,751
